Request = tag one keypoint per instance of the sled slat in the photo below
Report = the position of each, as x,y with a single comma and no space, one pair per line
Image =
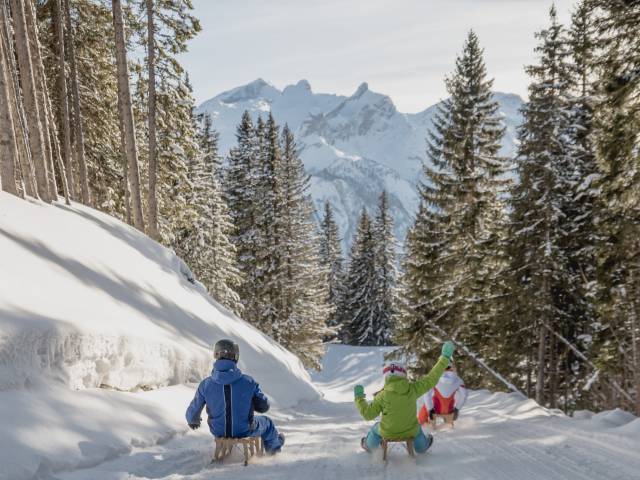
250,447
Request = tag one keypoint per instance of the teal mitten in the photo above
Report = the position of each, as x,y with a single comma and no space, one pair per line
358,391
447,349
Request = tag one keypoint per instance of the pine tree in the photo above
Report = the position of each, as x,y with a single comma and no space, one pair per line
331,259
240,187
206,242
617,140
465,184
358,304
304,286
386,273
422,275
542,292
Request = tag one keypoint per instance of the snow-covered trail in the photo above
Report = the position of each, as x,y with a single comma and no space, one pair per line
499,436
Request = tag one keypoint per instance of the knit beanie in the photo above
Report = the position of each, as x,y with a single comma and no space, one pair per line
394,369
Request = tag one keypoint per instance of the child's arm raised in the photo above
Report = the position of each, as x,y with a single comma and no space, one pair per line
369,411
430,380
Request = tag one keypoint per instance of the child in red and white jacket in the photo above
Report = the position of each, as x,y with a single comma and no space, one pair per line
448,397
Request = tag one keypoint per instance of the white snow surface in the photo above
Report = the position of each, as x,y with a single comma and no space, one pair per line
352,146
498,436
87,302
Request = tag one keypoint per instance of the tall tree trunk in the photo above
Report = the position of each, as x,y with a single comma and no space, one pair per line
64,99
126,115
55,146
26,177
125,170
8,147
153,168
78,129
542,348
42,95
29,94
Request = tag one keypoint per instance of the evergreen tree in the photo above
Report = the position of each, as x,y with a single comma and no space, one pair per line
542,290
241,177
422,275
331,259
208,249
617,139
358,304
386,273
465,184
304,288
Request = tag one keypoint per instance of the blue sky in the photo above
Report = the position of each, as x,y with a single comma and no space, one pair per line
402,48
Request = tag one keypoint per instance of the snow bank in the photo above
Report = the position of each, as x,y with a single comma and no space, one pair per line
87,301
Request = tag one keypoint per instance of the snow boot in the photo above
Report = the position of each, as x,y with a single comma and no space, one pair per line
363,444
271,453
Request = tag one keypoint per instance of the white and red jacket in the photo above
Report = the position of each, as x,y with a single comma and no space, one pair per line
448,394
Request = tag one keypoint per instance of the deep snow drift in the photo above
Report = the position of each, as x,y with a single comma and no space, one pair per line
86,302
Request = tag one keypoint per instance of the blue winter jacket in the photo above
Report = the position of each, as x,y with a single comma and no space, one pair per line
231,398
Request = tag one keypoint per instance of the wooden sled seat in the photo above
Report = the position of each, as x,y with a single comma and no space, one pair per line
250,446
408,444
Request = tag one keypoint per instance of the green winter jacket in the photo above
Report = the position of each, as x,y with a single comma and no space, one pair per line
396,402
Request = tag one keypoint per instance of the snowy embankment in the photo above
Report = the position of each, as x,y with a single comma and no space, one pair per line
93,314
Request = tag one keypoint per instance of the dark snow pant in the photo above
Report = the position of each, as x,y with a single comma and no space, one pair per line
264,428
421,442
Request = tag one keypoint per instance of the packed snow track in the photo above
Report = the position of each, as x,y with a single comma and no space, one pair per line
499,436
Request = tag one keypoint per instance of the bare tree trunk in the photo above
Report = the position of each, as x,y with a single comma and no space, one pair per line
125,170
29,95
42,95
26,172
64,99
126,115
153,168
8,147
542,347
553,373
77,111
55,145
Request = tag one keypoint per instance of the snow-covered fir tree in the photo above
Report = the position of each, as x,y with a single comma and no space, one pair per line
541,291
463,191
208,248
240,187
305,286
386,271
332,260
284,288
358,302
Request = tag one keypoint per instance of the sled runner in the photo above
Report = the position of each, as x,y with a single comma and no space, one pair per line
408,444
250,446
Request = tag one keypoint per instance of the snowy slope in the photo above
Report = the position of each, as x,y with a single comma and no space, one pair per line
86,302
353,146
498,436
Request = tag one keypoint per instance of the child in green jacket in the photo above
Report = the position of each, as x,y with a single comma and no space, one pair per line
396,404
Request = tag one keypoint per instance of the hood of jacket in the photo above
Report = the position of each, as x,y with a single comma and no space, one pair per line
399,385
225,372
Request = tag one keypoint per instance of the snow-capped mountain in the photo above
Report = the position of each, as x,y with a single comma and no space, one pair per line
353,147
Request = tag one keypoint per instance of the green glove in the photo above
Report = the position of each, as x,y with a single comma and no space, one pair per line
447,349
358,391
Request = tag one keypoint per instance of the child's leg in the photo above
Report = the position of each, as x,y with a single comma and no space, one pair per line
422,442
373,438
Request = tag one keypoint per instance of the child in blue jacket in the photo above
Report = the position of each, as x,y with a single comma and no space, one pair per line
231,399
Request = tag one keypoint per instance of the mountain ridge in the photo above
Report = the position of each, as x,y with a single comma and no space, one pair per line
352,146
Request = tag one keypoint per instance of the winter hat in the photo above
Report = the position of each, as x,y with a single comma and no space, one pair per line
394,369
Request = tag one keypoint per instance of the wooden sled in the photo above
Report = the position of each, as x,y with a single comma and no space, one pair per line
448,420
408,444
250,446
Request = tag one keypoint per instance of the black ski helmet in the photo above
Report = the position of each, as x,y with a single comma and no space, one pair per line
226,349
